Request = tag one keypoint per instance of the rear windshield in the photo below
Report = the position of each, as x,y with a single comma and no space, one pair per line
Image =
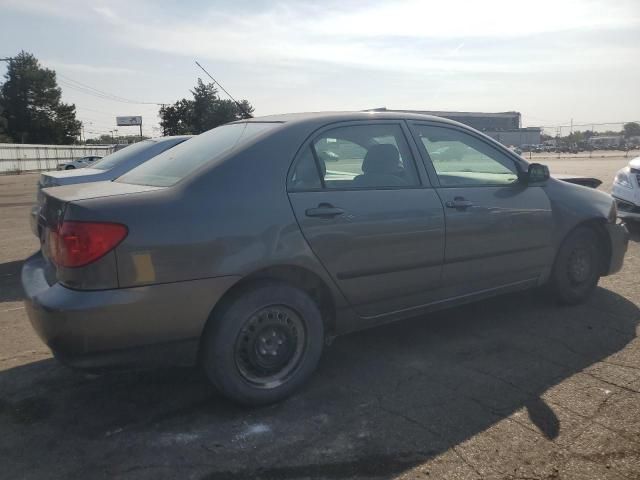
170,167
110,161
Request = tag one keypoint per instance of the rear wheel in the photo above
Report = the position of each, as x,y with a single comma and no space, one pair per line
262,345
577,268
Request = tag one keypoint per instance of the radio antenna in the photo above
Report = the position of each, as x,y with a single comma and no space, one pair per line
223,89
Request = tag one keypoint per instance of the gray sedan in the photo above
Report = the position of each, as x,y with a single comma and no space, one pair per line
244,249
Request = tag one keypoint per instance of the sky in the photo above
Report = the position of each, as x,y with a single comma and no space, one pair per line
551,60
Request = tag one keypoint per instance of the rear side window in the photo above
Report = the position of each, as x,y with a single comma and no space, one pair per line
146,147
353,157
171,166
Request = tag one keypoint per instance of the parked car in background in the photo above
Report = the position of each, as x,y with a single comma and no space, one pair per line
626,191
243,250
107,168
516,150
79,163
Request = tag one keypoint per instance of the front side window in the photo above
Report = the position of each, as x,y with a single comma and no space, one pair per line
460,159
362,156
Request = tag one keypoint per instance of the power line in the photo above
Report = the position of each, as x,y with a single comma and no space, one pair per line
92,93
106,114
89,90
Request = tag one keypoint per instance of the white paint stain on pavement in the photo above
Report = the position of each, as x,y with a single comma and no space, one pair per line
168,439
252,431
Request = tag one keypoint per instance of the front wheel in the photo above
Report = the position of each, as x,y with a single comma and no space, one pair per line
577,268
69,167
262,345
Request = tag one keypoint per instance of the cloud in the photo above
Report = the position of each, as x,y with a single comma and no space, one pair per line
547,56
106,12
408,36
473,19
456,36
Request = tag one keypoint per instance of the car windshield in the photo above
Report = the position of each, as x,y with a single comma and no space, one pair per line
110,161
171,166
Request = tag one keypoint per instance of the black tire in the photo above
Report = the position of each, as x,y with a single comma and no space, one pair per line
69,167
577,267
236,357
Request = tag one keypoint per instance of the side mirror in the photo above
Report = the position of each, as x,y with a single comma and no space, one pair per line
537,173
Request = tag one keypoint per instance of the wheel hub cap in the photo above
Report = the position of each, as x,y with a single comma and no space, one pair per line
270,345
580,265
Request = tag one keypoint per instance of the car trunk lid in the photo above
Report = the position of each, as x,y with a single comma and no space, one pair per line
65,177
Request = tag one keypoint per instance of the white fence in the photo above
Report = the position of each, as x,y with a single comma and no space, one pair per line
24,157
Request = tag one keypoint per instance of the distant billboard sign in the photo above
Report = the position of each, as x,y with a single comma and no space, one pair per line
128,121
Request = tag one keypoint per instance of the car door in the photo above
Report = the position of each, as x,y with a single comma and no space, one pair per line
369,215
499,229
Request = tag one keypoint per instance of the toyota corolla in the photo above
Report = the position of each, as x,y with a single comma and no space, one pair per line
244,249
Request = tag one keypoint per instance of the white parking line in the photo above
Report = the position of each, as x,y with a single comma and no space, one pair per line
11,309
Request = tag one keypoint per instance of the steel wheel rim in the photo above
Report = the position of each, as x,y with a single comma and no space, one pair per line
269,346
580,264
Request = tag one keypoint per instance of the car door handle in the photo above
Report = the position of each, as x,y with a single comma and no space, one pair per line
459,202
324,210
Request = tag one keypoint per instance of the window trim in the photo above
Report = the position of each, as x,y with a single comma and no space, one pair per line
421,175
316,162
520,164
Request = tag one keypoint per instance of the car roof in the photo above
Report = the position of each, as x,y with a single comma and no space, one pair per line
329,117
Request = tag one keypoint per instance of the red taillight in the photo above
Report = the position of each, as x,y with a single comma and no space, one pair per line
76,244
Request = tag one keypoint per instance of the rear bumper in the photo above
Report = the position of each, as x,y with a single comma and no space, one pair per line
120,327
619,240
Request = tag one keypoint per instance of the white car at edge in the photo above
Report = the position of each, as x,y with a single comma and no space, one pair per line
626,191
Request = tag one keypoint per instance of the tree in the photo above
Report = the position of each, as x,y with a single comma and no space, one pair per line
177,119
206,111
631,129
31,100
4,137
106,139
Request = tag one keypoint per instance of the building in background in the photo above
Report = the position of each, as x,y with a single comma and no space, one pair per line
505,127
517,137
